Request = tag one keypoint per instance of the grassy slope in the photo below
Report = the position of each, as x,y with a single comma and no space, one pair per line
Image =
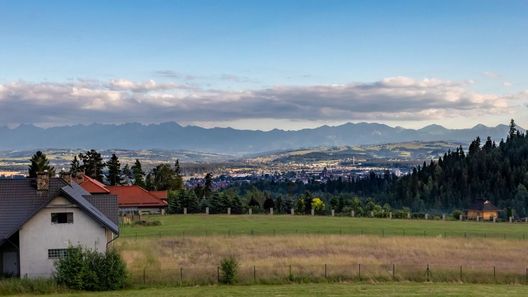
176,225
385,289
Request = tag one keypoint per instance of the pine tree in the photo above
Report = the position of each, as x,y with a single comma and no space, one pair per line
513,130
138,174
93,164
114,171
40,163
178,180
208,185
126,174
75,166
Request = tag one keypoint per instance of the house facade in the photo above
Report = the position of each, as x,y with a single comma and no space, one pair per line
42,218
482,210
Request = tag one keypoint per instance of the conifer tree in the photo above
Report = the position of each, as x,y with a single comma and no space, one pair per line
114,171
40,163
138,174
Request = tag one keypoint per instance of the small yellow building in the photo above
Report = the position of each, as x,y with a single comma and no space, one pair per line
482,210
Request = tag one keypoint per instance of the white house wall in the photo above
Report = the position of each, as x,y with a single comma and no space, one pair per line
39,234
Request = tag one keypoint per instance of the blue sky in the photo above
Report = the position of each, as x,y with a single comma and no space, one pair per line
257,54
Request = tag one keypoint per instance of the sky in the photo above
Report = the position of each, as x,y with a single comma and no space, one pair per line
264,64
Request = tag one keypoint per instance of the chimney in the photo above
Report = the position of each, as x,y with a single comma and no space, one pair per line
79,177
66,176
43,179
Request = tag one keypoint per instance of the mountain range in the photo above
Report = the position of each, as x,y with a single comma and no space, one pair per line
172,136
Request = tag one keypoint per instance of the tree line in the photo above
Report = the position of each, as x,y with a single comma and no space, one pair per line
489,171
162,177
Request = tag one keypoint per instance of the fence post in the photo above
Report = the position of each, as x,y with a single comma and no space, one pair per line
352,213
185,210
390,215
254,274
290,275
494,274
229,210
359,272
292,211
313,212
460,273
181,275
325,271
207,210
333,212
271,211
218,273
393,271
250,211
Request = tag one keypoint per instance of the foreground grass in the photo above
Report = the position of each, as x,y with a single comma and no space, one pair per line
201,225
341,289
264,259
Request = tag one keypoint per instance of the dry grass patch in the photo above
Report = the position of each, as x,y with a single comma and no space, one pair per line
316,250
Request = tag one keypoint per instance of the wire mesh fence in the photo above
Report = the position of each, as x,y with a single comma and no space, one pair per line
331,231
249,274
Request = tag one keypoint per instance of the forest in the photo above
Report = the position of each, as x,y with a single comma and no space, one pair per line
489,171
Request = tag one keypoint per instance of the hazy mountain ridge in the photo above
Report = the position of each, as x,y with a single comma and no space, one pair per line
172,136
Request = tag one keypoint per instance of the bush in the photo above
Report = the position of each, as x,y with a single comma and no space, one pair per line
83,269
229,270
147,223
456,214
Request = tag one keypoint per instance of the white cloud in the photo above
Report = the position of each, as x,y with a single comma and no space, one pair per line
390,99
491,74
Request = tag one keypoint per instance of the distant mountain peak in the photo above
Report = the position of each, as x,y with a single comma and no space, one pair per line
173,136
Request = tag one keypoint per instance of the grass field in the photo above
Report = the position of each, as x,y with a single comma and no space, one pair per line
200,225
341,289
272,246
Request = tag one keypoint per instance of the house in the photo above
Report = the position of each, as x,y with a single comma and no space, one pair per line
42,218
135,199
482,210
131,199
162,195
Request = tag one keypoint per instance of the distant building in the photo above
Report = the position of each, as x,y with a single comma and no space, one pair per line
163,195
131,199
482,209
42,218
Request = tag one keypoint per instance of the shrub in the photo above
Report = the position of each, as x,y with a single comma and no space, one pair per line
147,223
229,270
456,214
318,205
83,269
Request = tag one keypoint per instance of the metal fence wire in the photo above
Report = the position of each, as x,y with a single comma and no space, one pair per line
248,274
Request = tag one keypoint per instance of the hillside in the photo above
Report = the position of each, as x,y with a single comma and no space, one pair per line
172,136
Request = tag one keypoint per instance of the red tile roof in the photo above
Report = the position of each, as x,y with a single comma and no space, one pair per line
93,186
163,195
135,196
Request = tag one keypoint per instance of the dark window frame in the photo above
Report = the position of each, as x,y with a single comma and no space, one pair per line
58,253
62,217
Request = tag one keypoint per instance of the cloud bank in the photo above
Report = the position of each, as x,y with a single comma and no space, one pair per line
117,101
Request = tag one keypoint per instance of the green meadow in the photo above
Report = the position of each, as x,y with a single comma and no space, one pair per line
203,225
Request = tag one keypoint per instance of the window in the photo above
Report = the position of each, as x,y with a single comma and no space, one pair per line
62,218
57,253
